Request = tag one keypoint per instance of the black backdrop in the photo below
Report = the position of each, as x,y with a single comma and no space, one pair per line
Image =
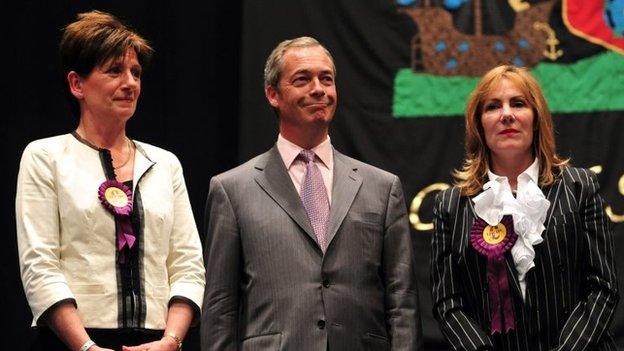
202,99
189,101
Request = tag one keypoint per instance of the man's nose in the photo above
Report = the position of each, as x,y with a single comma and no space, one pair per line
317,87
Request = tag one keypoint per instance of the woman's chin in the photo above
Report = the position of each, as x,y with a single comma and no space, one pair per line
512,150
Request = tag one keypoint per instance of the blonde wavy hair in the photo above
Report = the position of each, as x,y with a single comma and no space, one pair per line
471,177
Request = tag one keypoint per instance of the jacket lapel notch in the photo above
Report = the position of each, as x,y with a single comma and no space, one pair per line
552,194
273,178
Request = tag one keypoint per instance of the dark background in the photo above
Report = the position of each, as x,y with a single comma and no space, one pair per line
188,104
202,99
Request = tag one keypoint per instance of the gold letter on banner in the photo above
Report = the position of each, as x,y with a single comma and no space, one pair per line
616,218
519,5
415,206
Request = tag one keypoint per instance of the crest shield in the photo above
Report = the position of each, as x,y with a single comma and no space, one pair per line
593,20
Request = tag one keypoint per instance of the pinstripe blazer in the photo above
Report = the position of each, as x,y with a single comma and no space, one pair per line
571,293
270,287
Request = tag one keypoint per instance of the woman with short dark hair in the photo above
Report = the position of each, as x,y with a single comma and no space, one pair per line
109,251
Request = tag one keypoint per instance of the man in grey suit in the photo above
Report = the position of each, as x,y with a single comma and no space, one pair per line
306,248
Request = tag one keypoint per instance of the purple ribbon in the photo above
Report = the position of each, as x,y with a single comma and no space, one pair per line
502,315
120,205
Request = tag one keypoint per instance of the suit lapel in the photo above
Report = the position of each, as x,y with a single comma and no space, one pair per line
345,186
470,216
273,178
513,275
552,195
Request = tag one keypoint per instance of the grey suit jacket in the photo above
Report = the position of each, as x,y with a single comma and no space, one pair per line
571,293
269,286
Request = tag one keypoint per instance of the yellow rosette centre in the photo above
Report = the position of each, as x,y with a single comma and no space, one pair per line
116,197
494,234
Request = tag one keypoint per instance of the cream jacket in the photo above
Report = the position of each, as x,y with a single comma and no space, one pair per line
66,238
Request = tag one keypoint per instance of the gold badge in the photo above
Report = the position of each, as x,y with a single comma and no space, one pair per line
494,234
116,197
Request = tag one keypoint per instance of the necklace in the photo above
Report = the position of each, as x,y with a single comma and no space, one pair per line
130,152
128,142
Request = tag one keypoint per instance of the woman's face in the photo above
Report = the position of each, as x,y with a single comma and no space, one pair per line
112,89
507,121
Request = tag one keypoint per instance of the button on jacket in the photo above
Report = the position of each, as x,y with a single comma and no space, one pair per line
270,285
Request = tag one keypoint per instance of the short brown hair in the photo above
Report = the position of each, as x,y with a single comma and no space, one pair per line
94,38
471,177
275,62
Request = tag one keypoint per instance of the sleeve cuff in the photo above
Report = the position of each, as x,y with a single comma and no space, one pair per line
44,316
193,292
47,297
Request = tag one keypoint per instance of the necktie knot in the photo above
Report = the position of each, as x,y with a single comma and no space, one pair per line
307,156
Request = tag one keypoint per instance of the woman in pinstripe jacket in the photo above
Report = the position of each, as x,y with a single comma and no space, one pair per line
522,253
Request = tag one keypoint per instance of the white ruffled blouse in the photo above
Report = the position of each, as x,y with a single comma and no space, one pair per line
528,210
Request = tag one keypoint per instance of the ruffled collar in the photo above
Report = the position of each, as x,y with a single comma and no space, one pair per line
528,209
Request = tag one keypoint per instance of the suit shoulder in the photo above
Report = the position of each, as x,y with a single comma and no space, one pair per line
579,175
452,192
50,145
449,196
240,172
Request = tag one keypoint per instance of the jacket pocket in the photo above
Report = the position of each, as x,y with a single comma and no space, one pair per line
87,289
159,292
374,342
371,235
266,342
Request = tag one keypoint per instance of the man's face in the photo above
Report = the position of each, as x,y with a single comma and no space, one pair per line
306,94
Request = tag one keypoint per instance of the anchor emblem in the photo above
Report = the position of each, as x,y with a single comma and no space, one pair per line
551,52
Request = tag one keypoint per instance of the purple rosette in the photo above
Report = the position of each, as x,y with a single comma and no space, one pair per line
116,197
502,315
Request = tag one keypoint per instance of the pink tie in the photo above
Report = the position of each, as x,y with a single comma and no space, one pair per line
314,198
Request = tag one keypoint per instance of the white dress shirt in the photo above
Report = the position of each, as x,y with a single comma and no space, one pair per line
296,167
528,210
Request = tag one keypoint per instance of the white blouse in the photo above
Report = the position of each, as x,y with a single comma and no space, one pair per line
528,209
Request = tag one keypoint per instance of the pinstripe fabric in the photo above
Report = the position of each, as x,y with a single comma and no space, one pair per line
270,287
571,292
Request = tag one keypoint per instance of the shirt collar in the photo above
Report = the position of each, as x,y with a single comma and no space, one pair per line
289,151
532,173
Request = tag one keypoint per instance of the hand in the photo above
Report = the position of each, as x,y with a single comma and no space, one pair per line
164,344
97,348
